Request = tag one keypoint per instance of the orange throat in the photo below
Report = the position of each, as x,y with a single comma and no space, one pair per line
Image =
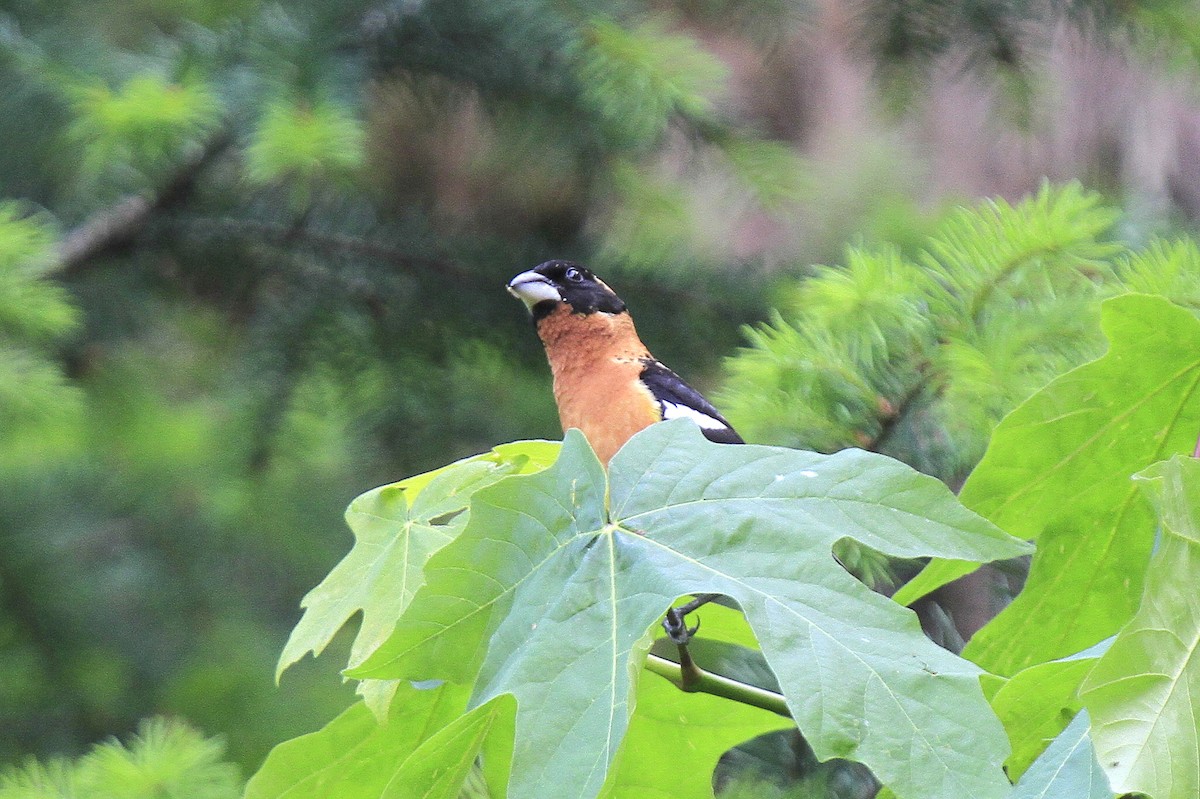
596,361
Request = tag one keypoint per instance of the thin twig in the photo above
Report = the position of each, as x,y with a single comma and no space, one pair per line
892,420
706,682
327,243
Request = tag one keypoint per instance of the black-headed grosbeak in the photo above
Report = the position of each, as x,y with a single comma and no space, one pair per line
606,383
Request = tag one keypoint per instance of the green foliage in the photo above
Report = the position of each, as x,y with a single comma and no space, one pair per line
54,779
1059,469
135,132
1035,703
1163,28
653,224
1170,269
1140,694
285,234
397,527
757,788
921,356
35,314
772,170
650,224
32,310
546,594
141,595
305,145
1083,437
280,225
639,77
164,760
1067,768
689,731
549,590
1005,38
355,756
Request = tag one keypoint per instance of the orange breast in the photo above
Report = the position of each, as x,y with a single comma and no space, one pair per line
595,360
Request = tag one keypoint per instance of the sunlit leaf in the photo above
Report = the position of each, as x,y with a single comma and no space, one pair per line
1067,769
427,743
1038,702
396,528
442,764
1058,469
1142,693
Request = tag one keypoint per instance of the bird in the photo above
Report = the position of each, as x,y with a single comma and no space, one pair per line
606,382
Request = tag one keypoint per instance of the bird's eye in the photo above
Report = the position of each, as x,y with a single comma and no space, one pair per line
574,275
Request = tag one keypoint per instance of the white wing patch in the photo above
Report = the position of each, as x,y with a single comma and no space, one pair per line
673,410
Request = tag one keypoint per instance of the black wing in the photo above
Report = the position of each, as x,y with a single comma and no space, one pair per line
677,399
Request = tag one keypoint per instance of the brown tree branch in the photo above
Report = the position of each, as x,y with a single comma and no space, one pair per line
119,224
891,414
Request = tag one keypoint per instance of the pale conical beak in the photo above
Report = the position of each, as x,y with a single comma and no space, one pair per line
532,288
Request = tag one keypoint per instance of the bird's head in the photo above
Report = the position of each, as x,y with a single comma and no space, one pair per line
555,284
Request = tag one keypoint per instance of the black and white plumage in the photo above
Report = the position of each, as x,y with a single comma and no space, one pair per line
606,383
678,400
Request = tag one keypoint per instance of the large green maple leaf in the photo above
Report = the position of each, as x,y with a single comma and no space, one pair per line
1058,469
549,591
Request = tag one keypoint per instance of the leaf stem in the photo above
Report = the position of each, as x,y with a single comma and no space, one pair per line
708,683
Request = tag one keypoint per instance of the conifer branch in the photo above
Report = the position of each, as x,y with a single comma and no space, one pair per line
119,224
1007,269
327,243
894,415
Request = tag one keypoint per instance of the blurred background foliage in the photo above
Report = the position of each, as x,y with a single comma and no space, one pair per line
252,259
